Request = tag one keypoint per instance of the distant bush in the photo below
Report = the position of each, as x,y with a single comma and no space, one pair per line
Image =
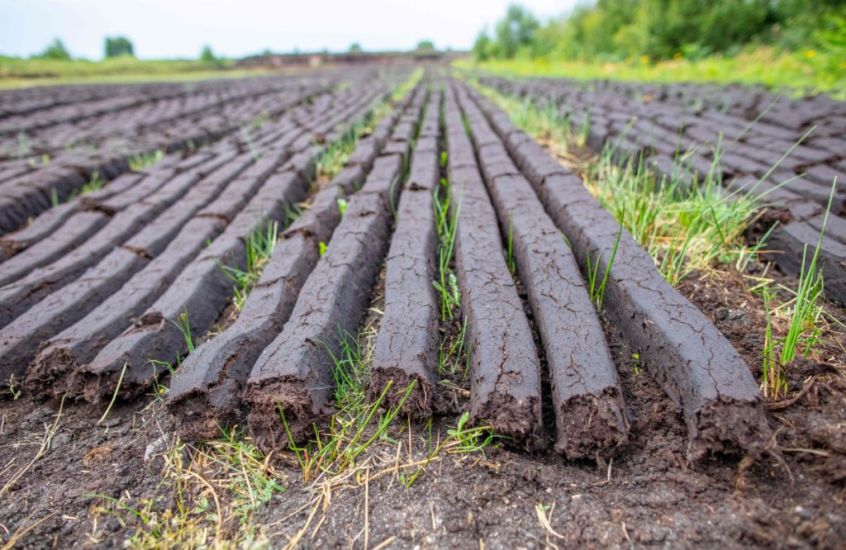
55,50
482,47
118,46
514,32
355,47
425,46
615,30
207,55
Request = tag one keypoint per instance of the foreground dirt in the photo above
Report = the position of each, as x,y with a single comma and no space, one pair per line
647,495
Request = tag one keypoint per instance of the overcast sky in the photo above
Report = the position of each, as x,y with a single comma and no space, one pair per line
179,28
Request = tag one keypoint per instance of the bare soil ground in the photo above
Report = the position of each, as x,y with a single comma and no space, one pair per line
92,475
647,495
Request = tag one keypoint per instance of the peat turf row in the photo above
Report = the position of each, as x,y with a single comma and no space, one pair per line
51,219
31,193
505,371
155,113
56,231
79,343
199,295
792,168
76,283
197,186
294,373
589,412
23,293
692,361
406,345
47,98
231,185
164,189
70,114
683,142
740,101
116,195
80,104
19,340
205,392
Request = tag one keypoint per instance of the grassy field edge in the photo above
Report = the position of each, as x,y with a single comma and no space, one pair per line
789,73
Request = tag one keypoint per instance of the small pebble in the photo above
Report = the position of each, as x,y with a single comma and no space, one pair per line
154,448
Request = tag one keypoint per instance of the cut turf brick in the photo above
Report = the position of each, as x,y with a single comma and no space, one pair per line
505,370
691,360
589,411
406,346
206,391
294,373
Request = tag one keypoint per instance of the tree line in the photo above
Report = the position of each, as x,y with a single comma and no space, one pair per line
113,46
615,30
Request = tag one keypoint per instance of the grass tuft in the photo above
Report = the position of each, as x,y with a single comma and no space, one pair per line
208,497
356,424
446,219
462,439
773,382
184,325
259,247
452,353
141,161
335,156
95,183
811,288
509,249
685,226
596,288
805,317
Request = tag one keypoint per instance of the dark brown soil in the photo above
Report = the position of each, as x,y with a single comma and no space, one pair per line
71,479
646,495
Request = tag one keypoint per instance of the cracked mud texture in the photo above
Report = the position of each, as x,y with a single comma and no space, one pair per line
697,367
202,290
294,373
21,339
505,370
406,347
17,297
78,344
205,393
590,415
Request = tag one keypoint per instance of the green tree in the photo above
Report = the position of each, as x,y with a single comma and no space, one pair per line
482,47
55,50
207,56
118,46
516,30
425,46
615,30
355,47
